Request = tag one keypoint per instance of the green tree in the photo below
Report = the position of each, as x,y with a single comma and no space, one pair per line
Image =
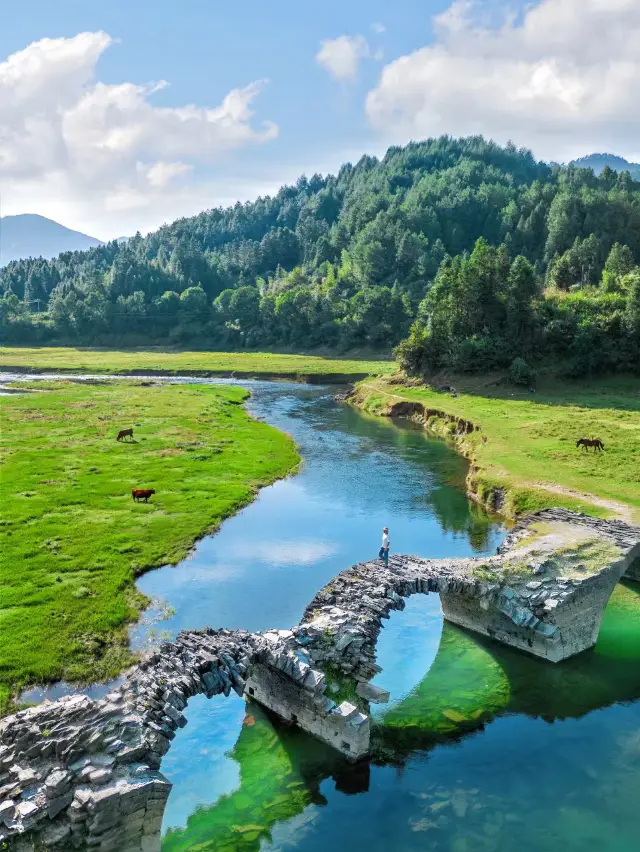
194,301
619,263
522,288
561,274
244,307
632,286
414,355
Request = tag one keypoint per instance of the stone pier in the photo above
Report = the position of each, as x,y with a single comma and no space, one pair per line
570,607
84,774
342,725
633,571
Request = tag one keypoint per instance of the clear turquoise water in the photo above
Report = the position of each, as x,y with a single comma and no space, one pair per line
481,748
358,475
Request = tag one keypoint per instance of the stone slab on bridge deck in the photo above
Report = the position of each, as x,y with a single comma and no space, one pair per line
78,773
544,592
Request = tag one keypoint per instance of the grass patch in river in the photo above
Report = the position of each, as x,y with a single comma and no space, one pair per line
73,539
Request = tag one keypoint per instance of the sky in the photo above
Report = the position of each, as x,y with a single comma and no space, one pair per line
119,116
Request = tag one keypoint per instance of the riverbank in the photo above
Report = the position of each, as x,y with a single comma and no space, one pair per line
522,446
73,540
315,369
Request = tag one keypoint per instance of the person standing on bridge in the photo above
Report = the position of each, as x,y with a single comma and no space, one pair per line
384,549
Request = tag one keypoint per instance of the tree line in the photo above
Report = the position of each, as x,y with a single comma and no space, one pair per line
472,254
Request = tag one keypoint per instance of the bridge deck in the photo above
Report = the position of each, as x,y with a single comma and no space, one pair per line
84,772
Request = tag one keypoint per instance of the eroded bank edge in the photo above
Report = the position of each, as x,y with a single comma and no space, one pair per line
492,492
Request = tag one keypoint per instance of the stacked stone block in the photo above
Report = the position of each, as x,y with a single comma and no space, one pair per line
84,774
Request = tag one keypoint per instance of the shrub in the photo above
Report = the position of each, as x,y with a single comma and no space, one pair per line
521,373
414,354
477,355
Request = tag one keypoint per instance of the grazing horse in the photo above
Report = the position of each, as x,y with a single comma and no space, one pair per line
125,433
142,494
585,443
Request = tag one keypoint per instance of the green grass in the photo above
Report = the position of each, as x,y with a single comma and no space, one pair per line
530,447
585,558
159,360
341,687
72,540
579,555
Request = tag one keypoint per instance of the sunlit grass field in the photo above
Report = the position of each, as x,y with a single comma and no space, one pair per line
530,448
72,539
158,360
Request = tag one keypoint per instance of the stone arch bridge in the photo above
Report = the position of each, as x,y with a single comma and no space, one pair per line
83,774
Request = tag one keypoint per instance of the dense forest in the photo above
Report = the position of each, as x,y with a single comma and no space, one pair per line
472,255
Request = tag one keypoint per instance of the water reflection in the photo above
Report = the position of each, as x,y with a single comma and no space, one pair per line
481,749
38,694
463,757
358,474
267,562
442,775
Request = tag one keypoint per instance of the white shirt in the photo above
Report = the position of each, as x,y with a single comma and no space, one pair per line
385,540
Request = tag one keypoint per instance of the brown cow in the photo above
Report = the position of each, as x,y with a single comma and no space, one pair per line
125,433
142,494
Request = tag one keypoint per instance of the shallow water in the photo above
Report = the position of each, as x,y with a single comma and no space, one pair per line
489,751
358,475
481,747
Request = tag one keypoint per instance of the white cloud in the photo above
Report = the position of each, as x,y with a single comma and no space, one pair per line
161,173
562,79
378,28
283,553
75,149
341,56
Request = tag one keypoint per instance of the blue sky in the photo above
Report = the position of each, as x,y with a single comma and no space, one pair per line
86,143
205,48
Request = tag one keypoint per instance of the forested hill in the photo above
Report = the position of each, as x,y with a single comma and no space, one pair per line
351,260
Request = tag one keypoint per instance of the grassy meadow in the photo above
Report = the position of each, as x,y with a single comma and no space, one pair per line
72,539
530,440
257,364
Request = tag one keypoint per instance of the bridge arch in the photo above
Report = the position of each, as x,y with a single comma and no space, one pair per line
87,772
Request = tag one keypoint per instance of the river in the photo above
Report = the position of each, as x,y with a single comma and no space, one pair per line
480,748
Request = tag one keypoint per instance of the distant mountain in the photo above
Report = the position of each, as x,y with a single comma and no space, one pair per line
597,162
30,235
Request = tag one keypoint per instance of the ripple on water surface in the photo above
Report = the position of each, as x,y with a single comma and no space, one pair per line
480,754
481,749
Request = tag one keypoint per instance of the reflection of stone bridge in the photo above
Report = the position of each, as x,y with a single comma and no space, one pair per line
78,773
